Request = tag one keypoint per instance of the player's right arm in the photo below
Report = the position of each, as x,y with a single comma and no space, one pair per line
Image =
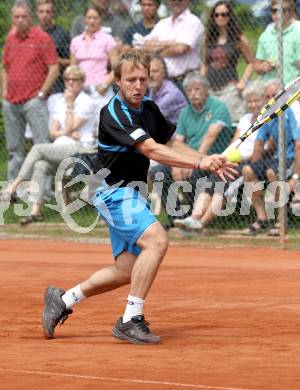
168,156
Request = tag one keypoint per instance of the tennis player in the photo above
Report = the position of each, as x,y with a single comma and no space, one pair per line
132,130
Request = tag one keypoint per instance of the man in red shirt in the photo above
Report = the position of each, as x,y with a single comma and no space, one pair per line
29,71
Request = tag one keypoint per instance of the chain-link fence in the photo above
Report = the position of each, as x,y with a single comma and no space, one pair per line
232,47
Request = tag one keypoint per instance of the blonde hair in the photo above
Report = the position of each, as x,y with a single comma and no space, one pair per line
138,59
38,3
76,70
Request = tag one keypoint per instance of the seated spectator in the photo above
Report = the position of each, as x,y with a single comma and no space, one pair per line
267,49
263,167
204,125
61,39
112,24
27,78
72,130
164,92
92,51
202,212
149,14
177,39
224,44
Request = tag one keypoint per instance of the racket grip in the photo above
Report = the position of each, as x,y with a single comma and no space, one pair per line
234,145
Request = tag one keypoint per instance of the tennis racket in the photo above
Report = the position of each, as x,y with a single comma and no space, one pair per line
271,110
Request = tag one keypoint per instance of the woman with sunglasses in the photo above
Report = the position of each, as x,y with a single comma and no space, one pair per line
224,43
266,63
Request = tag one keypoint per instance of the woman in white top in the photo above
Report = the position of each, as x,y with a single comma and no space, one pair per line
72,130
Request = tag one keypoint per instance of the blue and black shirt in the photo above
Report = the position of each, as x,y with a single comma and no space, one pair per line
120,128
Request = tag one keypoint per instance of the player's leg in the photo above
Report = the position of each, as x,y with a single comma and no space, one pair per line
110,278
154,244
59,303
132,326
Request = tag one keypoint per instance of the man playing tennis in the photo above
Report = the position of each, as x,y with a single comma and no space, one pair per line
132,130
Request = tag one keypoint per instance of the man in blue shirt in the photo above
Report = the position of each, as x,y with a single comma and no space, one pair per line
263,166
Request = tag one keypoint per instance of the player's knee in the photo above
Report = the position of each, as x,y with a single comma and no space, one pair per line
155,239
160,241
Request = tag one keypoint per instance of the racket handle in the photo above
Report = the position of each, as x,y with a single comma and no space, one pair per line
234,145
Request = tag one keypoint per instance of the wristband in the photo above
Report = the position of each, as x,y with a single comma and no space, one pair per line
199,162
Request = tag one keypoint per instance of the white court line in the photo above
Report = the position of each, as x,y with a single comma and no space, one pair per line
103,378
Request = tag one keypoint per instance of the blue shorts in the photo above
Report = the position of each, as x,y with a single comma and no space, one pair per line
126,212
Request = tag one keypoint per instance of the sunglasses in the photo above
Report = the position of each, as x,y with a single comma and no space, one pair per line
222,14
284,10
72,79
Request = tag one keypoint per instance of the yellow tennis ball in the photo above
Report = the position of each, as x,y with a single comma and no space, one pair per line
234,155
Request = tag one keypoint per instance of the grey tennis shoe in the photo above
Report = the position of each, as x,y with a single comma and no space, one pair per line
55,311
136,331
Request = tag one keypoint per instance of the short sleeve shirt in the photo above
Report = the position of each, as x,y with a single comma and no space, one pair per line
92,56
187,28
83,108
292,133
120,128
193,125
26,61
267,49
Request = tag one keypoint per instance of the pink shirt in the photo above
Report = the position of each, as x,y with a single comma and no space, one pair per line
92,55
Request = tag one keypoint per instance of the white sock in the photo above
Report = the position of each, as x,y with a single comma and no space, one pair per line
73,296
134,307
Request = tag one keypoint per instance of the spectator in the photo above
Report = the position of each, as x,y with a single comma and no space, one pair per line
177,39
149,13
28,76
45,14
224,43
164,93
267,49
263,167
72,130
112,24
205,126
92,51
202,212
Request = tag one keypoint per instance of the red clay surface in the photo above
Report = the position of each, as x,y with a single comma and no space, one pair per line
229,318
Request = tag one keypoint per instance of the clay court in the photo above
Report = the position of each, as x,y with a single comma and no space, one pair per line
229,318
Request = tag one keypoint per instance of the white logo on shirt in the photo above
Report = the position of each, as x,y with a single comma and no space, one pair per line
137,134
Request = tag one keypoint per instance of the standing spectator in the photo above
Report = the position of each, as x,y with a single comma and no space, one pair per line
73,131
169,98
262,167
267,49
177,39
112,23
224,43
144,27
92,51
205,126
45,14
29,71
